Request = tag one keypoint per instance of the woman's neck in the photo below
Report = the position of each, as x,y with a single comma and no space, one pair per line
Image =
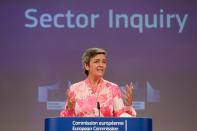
94,82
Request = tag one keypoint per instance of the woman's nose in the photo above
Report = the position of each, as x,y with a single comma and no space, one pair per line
101,64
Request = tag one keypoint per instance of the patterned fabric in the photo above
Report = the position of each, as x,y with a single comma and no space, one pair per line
108,95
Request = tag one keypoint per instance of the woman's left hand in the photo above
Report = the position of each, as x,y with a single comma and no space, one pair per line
128,95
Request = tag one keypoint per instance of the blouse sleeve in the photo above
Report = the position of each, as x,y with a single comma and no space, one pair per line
119,107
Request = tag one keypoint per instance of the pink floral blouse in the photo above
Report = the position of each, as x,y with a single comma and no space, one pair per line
108,95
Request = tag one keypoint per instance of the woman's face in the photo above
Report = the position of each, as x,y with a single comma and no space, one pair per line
97,66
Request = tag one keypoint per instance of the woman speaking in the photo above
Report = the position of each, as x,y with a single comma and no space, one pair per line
95,96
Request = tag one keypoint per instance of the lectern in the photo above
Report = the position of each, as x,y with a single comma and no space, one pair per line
98,124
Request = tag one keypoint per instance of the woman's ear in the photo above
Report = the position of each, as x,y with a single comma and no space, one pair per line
86,67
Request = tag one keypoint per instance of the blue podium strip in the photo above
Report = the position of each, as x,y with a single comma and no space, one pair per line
98,124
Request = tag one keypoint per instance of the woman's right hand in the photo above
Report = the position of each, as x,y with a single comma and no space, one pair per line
70,99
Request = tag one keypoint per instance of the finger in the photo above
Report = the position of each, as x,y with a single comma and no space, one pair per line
131,84
128,91
129,88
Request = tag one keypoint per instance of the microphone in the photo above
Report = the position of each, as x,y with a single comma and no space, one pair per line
98,107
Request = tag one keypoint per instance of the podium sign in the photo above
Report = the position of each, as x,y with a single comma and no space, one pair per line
98,124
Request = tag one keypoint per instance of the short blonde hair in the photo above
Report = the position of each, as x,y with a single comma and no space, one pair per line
90,53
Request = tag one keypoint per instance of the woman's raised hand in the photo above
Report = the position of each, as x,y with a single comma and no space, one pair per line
127,94
70,99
